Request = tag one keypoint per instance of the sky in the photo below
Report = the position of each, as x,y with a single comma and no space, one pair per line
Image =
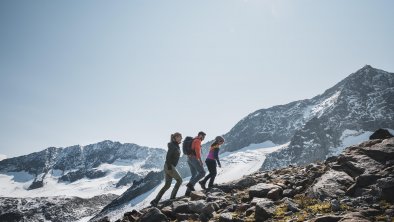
80,72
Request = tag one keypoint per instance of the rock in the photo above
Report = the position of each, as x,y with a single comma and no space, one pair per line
335,206
264,210
180,207
386,183
381,134
197,195
274,194
366,180
293,207
353,217
186,217
197,206
288,193
261,189
242,207
331,184
226,217
155,215
256,200
250,211
167,211
328,218
370,212
132,216
210,208
105,219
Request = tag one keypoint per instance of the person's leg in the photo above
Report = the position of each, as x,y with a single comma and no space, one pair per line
175,174
193,171
200,171
208,162
214,173
166,186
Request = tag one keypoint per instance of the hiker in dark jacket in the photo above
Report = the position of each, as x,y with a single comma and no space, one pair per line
212,158
170,171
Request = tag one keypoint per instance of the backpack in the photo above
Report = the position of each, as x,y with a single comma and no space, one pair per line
187,145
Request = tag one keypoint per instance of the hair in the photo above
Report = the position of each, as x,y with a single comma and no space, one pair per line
201,133
175,135
219,139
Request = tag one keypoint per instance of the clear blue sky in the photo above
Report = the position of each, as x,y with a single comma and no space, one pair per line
79,72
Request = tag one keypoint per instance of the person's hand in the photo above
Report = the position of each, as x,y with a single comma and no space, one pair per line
220,165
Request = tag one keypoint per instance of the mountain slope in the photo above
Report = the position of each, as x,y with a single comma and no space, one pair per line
362,102
315,128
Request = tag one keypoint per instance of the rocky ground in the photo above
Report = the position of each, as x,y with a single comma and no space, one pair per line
357,185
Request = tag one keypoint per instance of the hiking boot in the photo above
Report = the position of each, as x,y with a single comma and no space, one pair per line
188,191
190,186
153,203
202,184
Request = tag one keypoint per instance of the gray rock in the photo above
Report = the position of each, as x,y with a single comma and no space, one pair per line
335,206
288,193
187,217
274,194
153,215
292,206
327,218
226,217
197,195
181,207
332,184
197,206
261,189
264,210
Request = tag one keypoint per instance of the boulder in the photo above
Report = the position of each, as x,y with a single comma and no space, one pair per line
180,207
197,195
331,184
327,218
226,217
197,206
381,134
153,214
264,209
261,189
275,193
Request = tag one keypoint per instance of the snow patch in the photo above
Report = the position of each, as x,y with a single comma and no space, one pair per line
15,184
320,108
349,138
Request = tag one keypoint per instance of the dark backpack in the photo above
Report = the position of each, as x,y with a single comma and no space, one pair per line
187,145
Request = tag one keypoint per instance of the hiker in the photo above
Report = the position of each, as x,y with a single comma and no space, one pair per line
195,163
212,158
170,172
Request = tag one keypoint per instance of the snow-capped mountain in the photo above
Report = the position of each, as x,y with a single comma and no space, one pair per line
54,183
97,168
321,126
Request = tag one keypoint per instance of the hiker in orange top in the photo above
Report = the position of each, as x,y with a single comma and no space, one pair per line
195,163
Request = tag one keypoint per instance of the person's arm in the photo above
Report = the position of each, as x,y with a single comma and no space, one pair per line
170,156
216,155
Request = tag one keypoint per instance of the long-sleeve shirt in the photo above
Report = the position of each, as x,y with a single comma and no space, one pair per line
173,154
196,146
214,153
